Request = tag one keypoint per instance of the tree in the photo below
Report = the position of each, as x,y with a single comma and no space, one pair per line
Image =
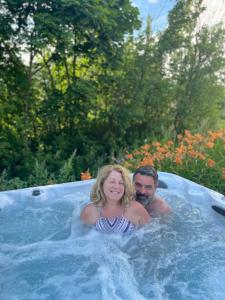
194,61
59,40
136,97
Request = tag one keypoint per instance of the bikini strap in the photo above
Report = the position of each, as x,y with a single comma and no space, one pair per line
124,211
100,210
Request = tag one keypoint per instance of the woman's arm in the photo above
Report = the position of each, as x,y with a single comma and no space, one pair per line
144,216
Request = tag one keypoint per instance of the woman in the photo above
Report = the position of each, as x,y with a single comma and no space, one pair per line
114,209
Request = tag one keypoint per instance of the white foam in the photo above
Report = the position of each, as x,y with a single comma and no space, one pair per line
54,256
6,200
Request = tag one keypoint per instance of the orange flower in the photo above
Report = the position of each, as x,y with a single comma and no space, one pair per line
188,134
223,173
209,145
129,156
146,147
196,154
181,149
168,155
211,163
192,153
199,137
158,156
216,134
147,161
156,144
85,175
162,150
178,160
170,143
188,141
136,152
201,156
190,148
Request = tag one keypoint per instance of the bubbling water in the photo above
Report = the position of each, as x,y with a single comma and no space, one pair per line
47,253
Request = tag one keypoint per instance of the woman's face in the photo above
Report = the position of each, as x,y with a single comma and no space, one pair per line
113,186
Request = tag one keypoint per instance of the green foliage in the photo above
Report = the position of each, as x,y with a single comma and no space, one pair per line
195,65
197,157
66,171
86,83
40,174
10,184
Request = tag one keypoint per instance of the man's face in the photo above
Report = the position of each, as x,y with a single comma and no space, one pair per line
145,189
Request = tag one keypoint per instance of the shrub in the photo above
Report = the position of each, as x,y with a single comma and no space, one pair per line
198,157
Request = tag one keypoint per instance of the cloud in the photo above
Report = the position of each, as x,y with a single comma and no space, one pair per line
134,3
153,1
160,22
214,13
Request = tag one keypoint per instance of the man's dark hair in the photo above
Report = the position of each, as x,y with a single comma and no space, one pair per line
147,171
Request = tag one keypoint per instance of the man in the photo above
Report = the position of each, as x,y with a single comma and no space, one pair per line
146,179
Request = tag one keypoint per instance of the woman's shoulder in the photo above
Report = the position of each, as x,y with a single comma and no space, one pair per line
137,209
136,205
90,213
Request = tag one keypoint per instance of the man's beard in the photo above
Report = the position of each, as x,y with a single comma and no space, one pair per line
144,199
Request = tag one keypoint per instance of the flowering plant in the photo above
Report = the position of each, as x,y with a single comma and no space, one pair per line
198,157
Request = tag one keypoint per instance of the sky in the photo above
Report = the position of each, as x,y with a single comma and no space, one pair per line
214,13
157,9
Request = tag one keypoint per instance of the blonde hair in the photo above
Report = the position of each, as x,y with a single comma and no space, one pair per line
97,194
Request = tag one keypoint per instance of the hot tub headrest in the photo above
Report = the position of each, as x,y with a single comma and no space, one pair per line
162,184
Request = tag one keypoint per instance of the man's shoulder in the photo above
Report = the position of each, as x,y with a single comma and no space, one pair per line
159,200
159,206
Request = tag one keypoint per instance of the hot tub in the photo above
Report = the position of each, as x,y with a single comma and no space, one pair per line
47,253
